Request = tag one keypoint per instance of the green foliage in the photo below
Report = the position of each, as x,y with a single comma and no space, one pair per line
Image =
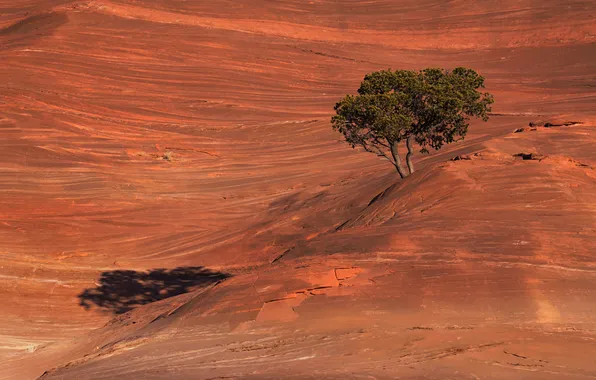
431,106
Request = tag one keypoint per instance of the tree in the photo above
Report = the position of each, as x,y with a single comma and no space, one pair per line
431,107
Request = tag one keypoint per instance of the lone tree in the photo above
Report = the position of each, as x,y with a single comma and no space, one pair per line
431,107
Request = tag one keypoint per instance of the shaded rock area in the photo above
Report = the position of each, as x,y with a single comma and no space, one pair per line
120,291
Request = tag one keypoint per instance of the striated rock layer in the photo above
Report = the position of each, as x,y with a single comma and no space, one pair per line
174,203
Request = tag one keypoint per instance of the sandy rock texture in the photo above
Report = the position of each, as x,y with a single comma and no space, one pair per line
175,205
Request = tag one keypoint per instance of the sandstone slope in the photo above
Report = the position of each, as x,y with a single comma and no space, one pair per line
166,134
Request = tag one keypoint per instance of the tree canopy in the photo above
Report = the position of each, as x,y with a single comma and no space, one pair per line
431,107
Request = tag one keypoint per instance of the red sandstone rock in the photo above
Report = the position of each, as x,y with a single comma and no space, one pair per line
480,268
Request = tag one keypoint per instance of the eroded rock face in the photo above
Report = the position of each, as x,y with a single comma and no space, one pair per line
138,137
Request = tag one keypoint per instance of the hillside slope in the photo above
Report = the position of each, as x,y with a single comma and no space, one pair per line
422,283
139,135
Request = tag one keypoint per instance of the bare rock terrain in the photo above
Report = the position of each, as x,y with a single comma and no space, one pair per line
175,205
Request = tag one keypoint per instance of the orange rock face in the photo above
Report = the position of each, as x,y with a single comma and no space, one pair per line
175,205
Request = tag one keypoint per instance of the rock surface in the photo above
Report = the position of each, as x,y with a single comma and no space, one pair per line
175,205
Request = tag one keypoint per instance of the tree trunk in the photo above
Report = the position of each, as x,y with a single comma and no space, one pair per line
410,154
398,165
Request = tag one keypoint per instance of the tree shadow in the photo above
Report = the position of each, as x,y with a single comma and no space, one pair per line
120,291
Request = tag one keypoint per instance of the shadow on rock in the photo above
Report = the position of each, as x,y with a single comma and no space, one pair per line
120,291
